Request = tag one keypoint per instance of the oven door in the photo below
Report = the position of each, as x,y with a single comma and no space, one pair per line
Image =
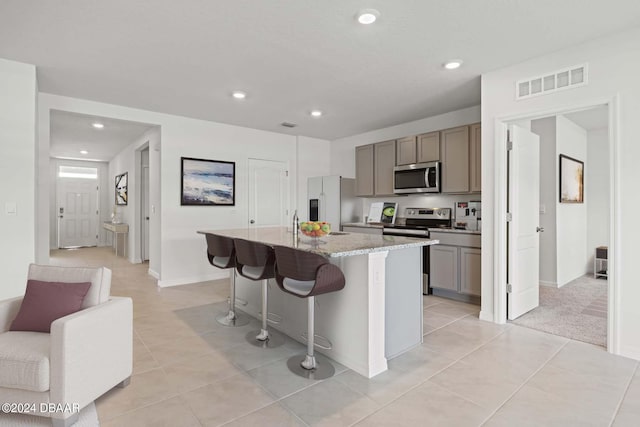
417,178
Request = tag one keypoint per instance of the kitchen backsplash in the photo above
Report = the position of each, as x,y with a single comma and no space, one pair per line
420,201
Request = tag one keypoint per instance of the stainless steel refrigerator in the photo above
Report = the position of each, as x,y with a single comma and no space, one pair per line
332,199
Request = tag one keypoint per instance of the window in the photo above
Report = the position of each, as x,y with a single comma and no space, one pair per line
77,172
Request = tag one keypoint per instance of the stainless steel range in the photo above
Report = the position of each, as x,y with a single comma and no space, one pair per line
416,223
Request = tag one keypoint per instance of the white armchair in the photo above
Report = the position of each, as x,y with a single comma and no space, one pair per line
86,354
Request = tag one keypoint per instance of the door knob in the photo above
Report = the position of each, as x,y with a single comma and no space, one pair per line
252,222
539,229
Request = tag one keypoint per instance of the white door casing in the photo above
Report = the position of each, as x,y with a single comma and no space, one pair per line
77,210
523,237
144,199
268,193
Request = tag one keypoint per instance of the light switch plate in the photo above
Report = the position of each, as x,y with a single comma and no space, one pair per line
10,208
543,209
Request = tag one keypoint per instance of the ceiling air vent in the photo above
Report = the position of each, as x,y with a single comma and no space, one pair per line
567,78
288,125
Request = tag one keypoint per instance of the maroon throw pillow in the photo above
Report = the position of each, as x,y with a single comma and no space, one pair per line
45,302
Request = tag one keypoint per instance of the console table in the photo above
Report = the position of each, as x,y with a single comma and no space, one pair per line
118,230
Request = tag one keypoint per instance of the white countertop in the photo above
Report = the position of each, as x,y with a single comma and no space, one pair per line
332,246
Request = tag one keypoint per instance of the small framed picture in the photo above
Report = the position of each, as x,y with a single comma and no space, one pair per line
571,180
121,189
207,182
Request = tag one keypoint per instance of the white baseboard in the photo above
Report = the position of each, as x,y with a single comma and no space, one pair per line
487,317
221,274
153,274
630,352
549,284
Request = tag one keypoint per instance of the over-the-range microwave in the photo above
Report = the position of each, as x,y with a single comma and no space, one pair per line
417,178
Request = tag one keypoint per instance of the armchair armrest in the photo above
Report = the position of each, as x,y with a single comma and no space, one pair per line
91,352
8,311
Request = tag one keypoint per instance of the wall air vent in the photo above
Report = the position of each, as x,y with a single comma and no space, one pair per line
288,125
567,78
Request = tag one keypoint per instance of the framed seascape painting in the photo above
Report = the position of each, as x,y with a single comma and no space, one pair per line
571,180
207,182
121,189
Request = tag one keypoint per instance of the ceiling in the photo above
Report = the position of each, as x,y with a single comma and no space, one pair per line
591,119
292,56
71,133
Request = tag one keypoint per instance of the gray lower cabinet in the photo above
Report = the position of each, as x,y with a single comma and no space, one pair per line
455,264
444,267
470,276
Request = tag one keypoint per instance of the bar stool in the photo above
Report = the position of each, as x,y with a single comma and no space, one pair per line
221,253
306,275
256,261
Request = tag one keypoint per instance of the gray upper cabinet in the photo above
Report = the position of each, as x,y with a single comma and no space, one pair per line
455,160
406,151
384,160
475,152
364,170
428,147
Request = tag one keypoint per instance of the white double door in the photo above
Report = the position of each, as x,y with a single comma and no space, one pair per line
77,211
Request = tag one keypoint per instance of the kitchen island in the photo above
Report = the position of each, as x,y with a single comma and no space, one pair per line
378,314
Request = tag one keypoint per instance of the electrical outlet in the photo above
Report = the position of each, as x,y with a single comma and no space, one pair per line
10,208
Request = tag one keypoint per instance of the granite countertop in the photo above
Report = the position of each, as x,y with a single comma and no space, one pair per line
434,229
363,225
453,230
332,246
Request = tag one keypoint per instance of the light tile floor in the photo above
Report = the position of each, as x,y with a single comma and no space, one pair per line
190,371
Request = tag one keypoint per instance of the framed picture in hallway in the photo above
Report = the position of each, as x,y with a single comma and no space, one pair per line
207,182
571,180
121,189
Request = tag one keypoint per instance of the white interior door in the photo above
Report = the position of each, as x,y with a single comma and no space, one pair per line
145,213
523,237
268,193
77,201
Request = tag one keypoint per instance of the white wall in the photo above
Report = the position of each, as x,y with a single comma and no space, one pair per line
104,202
343,160
571,218
314,154
182,251
597,192
17,174
613,72
546,129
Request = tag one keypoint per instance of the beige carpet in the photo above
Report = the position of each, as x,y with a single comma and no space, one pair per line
88,418
578,310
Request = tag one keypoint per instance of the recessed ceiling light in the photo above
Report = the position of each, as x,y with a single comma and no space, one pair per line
453,64
97,125
316,113
239,94
367,16
84,152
